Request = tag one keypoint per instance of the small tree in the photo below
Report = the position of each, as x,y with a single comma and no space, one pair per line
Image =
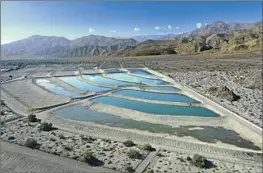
128,143
45,126
31,118
134,154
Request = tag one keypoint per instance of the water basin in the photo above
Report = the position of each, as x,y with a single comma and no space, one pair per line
143,73
72,80
171,97
155,108
136,79
57,89
161,88
202,133
106,81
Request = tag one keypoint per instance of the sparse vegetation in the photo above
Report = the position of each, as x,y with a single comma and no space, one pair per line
128,143
160,155
134,154
31,118
31,143
45,126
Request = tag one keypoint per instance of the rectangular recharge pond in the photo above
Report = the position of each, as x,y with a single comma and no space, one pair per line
136,79
202,133
158,109
106,81
143,73
161,88
169,97
57,89
73,81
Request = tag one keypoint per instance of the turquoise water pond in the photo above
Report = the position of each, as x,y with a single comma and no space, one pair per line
204,133
72,80
57,89
155,108
106,81
143,73
161,88
171,97
130,78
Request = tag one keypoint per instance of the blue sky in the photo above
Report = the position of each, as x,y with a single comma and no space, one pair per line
124,19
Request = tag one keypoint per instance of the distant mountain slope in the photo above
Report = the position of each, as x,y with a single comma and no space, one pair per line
49,46
154,37
218,37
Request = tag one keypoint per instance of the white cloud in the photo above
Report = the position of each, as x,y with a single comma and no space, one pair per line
92,30
112,30
169,27
137,29
177,27
157,27
198,25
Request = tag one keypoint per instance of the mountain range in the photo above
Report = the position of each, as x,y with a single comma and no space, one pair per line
216,37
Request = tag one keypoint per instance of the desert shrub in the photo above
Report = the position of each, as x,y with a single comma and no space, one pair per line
160,155
31,143
129,169
31,118
128,143
52,139
201,161
2,113
90,159
150,171
11,138
134,154
68,148
147,147
188,158
61,136
45,126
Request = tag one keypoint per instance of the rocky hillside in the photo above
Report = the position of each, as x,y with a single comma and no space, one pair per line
218,37
49,46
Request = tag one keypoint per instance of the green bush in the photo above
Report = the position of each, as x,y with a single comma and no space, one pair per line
199,161
31,143
90,159
128,143
134,154
147,147
45,126
129,169
31,118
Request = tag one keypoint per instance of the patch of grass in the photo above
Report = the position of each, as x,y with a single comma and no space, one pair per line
134,154
128,143
68,148
52,139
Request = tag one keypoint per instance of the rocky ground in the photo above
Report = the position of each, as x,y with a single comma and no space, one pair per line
6,113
